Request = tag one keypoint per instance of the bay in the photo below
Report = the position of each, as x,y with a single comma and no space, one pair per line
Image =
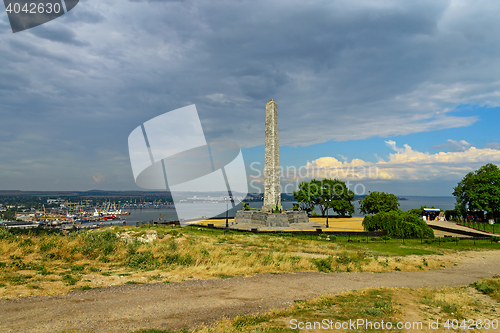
219,209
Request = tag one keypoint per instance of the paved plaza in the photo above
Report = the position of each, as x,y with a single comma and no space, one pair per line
334,224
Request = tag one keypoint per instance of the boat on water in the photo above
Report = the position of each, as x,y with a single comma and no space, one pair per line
108,213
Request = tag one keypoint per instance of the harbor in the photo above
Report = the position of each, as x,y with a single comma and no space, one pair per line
83,214
68,215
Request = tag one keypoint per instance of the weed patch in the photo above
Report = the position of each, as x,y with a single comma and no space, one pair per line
97,243
323,264
77,268
490,287
142,260
68,279
19,279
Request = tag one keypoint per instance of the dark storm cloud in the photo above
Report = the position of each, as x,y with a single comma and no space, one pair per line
157,1
338,70
61,34
4,24
85,15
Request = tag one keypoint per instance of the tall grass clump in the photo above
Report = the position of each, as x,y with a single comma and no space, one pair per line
490,287
99,243
323,264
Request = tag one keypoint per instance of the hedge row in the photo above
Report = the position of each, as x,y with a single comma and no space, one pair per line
398,224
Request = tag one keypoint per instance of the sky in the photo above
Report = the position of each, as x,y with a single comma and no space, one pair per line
409,89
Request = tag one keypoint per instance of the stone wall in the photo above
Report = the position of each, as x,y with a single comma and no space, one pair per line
297,217
270,219
250,216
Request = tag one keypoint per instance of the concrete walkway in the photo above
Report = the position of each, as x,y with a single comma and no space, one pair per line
453,227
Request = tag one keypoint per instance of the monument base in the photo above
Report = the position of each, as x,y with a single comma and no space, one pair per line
269,219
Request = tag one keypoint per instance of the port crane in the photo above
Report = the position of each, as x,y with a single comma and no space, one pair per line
162,216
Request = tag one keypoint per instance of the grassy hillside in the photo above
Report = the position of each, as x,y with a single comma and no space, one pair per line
50,264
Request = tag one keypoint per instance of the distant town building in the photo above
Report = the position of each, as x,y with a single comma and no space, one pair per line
55,201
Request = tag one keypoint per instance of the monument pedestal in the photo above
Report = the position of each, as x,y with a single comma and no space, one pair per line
271,219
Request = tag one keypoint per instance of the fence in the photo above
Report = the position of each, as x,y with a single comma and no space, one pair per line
363,237
481,226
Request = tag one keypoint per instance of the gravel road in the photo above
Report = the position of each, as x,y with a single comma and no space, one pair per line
176,305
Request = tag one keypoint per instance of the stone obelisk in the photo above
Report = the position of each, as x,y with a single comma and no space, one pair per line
272,188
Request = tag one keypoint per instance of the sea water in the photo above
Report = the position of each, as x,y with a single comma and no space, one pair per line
219,209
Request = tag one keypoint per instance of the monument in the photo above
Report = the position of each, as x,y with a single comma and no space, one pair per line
272,186
271,214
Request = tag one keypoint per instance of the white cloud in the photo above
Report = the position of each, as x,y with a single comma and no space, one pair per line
405,164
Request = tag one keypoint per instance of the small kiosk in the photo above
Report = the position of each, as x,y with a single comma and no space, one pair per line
431,214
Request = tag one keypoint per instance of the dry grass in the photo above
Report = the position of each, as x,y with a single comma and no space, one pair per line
53,264
459,304
335,224
340,224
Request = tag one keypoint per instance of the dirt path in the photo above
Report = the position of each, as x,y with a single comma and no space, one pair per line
169,306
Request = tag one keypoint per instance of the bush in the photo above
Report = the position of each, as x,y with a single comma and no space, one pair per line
142,260
398,224
483,288
99,243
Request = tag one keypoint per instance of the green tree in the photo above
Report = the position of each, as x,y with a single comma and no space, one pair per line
327,194
479,191
419,211
376,202
341,198
10,214
305,195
